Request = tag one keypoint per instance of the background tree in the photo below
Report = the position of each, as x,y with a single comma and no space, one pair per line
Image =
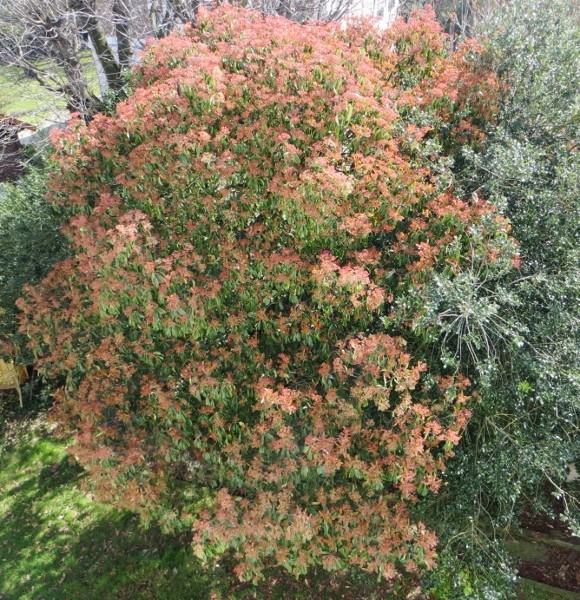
305,10
43,40
459,18
69,46
525,430
50,41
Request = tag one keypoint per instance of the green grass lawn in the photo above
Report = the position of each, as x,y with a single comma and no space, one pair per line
532,590
56,543
25,96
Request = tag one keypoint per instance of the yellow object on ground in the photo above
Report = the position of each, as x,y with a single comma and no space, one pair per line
11,376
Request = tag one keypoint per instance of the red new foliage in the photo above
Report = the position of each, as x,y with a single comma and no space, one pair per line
252,231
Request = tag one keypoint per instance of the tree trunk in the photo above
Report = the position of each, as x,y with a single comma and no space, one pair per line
121,21
89,22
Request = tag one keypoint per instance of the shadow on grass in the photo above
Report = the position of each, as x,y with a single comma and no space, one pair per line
45,556
116,559
57,544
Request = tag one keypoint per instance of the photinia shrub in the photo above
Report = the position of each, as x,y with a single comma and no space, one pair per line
236,332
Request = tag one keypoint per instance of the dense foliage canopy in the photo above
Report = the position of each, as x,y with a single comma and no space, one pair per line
241,332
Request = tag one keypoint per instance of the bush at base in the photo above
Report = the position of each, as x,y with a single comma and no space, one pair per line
252,235
30,243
